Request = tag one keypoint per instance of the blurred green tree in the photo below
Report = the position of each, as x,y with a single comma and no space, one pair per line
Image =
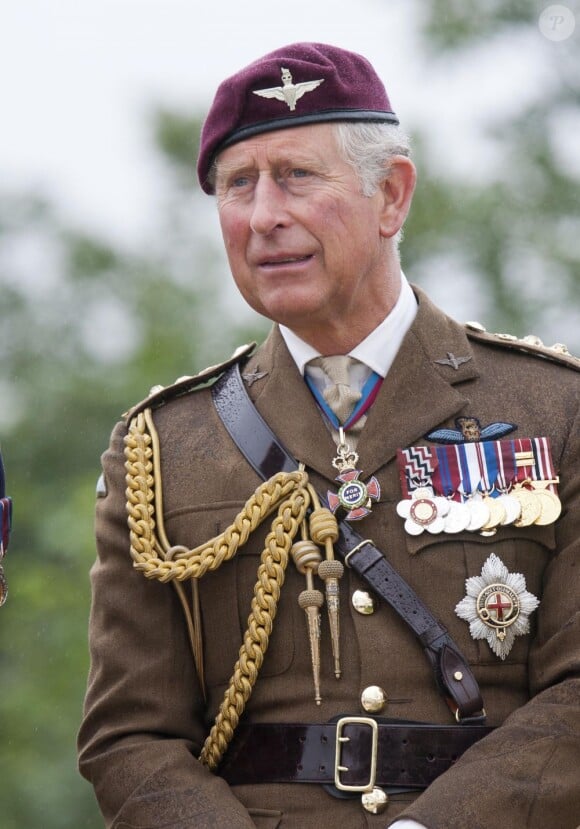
506,235
85,329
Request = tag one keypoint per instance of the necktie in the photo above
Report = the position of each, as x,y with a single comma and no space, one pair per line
340,397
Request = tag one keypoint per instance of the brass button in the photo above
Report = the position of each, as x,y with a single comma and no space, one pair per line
363,602
375,801
373,699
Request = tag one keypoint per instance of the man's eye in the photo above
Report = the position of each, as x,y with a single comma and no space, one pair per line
299,172
240,181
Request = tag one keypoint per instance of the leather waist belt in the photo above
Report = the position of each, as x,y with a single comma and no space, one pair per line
267,456
353,754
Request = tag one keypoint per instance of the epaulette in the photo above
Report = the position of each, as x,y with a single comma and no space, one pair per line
159,395
557,353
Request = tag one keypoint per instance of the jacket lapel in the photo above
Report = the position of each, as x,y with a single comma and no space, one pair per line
287,405
418,393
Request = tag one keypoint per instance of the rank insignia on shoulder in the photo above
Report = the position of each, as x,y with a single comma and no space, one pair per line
530,344
469,429
160,395
497,606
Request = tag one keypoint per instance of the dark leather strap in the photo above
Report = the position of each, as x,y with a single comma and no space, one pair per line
408,754
267,456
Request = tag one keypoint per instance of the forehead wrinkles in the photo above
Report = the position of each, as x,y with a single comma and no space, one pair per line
297,147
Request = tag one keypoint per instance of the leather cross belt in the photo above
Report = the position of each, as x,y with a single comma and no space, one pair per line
353,754
267,455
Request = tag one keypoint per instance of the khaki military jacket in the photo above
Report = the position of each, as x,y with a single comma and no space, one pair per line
145,715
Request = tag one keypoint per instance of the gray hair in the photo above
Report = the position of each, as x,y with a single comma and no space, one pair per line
368,148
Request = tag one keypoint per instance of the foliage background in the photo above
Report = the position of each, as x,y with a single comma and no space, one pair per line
107,321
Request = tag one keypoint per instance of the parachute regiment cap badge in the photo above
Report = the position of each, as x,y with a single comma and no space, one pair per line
289,91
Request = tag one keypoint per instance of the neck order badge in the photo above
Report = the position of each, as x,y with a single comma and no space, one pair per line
345,409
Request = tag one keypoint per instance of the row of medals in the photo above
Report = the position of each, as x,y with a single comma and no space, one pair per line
525,504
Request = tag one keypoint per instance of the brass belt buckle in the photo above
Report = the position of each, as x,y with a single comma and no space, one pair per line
340,739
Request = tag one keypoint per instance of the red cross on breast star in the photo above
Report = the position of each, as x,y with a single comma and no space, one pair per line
499,606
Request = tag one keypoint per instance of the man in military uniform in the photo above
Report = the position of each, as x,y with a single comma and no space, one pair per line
439,463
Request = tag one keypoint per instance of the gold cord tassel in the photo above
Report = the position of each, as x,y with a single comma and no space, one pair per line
307,558
324,532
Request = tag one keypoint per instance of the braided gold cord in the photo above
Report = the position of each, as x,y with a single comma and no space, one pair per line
140,493
271,573
179,563
289,493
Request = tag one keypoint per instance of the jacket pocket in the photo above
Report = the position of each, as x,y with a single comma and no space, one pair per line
442,564
227,593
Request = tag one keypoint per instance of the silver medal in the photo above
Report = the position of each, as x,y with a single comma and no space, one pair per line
458,517
479,513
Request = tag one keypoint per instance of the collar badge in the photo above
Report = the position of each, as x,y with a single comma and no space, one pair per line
452,361
255,375
289,92
497,606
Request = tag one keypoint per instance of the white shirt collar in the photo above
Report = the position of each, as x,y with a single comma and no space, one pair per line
379,349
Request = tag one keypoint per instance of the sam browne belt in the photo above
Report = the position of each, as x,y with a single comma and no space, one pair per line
353,754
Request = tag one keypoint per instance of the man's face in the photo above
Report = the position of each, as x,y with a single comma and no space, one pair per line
306,249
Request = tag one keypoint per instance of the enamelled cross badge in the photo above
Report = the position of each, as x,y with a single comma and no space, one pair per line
354,495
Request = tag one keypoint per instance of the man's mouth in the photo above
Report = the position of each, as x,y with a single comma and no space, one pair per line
285,260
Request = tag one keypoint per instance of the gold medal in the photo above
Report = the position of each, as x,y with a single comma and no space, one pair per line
512,508
550,505
531,507
497,513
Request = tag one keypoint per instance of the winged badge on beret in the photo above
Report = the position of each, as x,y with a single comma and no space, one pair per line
289,91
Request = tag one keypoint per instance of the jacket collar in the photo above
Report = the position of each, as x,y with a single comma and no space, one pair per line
423,389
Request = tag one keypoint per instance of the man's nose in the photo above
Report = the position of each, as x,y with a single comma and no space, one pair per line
269,210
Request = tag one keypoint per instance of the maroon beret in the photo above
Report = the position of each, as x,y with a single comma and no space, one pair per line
304,83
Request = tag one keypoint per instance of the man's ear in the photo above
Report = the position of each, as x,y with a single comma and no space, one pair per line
397,189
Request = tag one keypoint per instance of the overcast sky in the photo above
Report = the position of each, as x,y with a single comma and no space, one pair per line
79,77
